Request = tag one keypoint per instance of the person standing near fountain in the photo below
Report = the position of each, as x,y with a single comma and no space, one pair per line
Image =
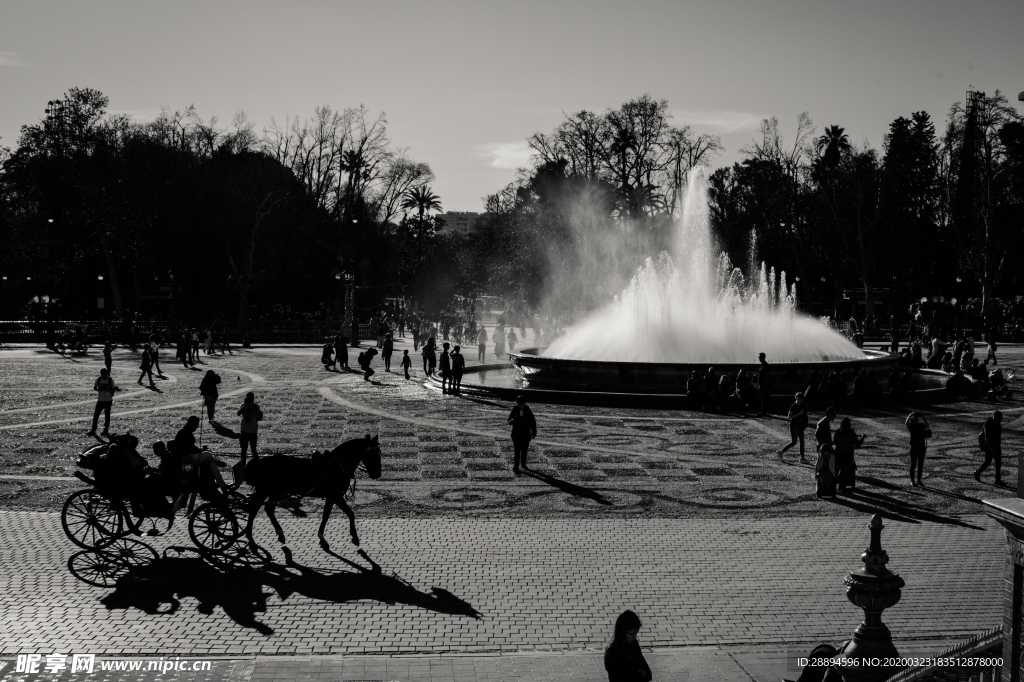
763,385
524,429
481,341
458,369
446,368
797,425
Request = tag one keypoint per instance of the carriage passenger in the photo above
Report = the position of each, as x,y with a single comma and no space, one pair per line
185,446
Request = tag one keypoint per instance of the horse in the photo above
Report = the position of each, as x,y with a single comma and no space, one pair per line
326,475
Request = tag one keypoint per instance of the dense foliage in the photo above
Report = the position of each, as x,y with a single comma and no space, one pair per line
208,221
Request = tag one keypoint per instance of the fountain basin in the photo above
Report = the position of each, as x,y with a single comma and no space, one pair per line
542,372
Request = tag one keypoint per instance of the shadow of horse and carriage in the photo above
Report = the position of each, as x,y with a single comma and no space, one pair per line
225,566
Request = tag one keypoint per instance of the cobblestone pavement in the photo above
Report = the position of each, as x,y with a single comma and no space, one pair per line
689,518
449,456
474,585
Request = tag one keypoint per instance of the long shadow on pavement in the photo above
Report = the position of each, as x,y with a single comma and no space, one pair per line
896,509
570,488
236,584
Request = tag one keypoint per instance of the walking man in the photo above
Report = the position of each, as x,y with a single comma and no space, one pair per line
919,430
991,440
251,415
763,385
406,362
797,425
147,366
105,387
524,429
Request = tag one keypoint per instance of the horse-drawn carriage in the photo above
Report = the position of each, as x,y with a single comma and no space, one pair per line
126,495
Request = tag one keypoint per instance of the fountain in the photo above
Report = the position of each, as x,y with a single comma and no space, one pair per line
688,311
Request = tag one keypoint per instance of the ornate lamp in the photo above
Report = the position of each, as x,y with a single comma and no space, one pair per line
873,588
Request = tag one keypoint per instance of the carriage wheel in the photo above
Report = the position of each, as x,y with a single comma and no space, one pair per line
213,527
111,561
90,517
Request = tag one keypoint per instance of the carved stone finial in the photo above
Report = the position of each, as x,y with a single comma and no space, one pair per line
873,588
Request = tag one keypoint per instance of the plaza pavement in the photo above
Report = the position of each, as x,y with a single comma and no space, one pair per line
688,518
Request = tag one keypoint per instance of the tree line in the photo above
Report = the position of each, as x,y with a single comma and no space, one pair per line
236,222
224,220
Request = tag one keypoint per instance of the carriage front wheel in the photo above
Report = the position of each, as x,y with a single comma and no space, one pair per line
89,517
213,527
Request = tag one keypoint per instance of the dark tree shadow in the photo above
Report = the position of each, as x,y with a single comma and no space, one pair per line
566,487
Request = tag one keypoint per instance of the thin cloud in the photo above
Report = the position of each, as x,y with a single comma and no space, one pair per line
10,59
720,121
507,155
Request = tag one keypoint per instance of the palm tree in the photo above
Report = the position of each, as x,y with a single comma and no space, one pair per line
833,145
421,200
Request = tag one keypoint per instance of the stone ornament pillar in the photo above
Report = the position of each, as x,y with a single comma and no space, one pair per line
1009,512
873,588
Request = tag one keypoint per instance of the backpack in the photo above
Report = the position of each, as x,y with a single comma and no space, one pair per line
361,360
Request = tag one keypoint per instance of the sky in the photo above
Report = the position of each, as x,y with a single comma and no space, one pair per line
463,84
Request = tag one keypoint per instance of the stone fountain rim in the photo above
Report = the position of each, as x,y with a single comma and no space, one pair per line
871,359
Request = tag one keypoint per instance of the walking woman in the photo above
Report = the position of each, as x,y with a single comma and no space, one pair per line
623,658
845,441
919,430
208,389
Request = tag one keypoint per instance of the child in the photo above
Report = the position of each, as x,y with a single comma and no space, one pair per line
406,362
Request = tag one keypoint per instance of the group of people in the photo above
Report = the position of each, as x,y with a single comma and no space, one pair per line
836,466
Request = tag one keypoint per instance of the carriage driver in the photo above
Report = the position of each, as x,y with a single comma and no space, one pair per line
185,446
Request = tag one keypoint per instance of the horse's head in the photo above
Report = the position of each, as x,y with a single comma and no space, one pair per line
371,456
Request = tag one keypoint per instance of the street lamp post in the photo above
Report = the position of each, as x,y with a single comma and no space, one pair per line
50,332
351,323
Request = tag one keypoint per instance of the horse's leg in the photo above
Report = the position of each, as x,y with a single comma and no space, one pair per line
270,505
254,508
340,501
328,504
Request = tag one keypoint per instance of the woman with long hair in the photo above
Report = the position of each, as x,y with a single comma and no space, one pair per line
622,656
846,441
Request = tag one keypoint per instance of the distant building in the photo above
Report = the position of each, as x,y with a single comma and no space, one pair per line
463,222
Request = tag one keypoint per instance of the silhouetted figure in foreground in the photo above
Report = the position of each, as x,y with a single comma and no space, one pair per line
623,658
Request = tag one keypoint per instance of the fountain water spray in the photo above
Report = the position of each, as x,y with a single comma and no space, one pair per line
694,306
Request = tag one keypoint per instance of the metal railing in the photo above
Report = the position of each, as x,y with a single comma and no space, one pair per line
985,649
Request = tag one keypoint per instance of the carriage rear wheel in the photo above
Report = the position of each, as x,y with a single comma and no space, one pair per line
111,560
89,517
213,527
